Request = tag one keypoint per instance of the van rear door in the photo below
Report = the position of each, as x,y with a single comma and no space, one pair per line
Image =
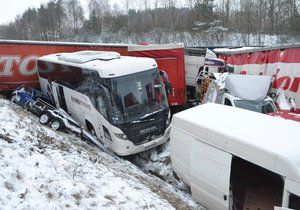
210,175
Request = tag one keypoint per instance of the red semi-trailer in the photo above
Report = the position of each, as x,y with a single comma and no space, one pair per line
18,61
282,63
170,58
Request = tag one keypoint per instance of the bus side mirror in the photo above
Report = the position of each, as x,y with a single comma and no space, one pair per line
167,83
168,88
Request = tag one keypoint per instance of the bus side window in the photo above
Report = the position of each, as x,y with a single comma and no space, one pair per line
227,102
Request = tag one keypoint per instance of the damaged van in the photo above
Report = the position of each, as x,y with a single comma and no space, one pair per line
237,159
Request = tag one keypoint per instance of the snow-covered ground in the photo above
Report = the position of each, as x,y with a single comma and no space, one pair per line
157,161
211,37
44,169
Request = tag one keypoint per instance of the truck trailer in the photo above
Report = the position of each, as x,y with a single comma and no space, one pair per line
18,61
281,62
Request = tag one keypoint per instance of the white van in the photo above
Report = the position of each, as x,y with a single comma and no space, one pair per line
237,159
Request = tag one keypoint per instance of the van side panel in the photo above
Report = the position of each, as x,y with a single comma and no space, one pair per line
210,175
203,167
180,154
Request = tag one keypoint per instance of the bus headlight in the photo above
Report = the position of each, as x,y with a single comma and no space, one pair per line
121,136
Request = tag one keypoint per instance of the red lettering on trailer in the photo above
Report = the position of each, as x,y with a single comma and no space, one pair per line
26,67
6,64
282,82
295,85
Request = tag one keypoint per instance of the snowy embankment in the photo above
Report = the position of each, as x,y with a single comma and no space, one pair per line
44,169
212,37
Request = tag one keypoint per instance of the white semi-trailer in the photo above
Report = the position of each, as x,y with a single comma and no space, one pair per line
120,99
234,158
197,60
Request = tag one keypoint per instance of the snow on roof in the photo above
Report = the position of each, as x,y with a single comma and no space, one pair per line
108,64
234,50
248,87
86,56
155,47
242,50
270,142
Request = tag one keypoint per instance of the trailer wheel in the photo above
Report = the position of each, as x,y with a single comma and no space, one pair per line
45,118
57,124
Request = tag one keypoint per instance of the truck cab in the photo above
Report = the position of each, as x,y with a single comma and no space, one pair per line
265,106
242,91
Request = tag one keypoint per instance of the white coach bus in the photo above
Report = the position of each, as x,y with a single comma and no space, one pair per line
122,100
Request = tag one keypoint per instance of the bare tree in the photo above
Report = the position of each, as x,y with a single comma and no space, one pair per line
74,15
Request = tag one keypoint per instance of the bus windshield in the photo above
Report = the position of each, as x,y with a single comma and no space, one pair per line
264,107
136,96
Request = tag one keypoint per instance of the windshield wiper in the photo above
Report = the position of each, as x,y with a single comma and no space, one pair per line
141,121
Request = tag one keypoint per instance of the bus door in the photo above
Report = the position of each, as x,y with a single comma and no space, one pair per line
61,98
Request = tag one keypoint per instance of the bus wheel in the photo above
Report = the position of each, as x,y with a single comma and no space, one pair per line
45,118
93,132
91,129
57,124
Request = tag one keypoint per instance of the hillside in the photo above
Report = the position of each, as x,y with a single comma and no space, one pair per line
43,169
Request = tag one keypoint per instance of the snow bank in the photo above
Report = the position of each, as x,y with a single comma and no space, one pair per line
157,161
43,169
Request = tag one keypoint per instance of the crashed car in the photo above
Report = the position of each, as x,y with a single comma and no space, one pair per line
26,96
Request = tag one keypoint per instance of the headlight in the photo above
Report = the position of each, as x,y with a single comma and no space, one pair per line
121,136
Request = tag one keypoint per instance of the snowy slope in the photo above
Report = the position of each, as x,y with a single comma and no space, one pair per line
157,161
44,169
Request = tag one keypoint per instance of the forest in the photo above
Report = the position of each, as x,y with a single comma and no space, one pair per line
193,22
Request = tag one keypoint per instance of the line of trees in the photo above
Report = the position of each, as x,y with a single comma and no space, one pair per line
64,19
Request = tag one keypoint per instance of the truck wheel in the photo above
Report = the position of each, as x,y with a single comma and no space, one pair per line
45,118
57,124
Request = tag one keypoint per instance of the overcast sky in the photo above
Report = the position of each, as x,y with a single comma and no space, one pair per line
9,9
